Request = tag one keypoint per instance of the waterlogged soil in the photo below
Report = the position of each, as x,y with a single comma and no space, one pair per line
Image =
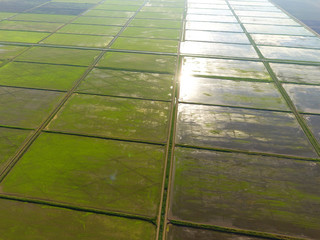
314,123
305,98
242,129
231,93
246,191
296,73
187,233
224,68
287,41
292,54
218,49
105,149
42,76
225,37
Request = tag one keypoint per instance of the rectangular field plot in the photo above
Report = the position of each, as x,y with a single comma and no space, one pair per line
26,107
30,26
140,62
50,222
78,40
59,56
22,36
241,191
112,117
232,93
242,129
154,86
43,76
104,174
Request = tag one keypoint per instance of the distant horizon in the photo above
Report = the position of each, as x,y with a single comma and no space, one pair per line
307,11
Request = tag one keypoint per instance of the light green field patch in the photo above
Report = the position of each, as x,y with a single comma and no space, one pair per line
151,33
122,7
9,51
91,172
51,223
162,9
10,140
101,20
4,15
59,56
43,17
125,2
29,26
151,45
140,62
21,36
104,13
26,107
45,76
128,84
156,23
160,15
218,49
90,29
79,40
113,117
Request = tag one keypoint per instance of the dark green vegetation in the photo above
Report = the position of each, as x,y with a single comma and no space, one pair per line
154,120
33,221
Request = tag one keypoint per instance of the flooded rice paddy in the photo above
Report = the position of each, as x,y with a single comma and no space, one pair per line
176,119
